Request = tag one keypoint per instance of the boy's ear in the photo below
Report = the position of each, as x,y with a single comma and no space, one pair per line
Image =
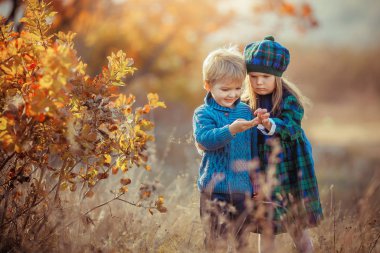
207,86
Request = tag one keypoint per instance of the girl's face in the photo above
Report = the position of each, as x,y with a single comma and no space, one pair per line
262,83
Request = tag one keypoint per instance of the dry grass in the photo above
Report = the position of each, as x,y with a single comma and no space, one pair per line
351,223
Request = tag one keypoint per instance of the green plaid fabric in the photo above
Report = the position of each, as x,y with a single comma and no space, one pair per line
266,56
297,193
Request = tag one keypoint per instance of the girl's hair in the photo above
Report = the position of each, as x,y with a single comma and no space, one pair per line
281,84
224,64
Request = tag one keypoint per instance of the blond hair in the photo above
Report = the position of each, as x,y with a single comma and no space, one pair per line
224,64
281,83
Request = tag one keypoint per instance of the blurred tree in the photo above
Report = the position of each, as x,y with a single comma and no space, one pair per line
164,37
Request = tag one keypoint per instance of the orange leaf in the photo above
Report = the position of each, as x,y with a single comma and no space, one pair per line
89,194
102,176
146,109
288,9
125,181
41,117
306,10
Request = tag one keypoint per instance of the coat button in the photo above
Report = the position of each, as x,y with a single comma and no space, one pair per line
226,113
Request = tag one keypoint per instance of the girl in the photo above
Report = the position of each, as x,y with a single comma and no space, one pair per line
296,196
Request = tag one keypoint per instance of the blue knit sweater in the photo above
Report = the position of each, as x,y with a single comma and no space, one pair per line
223,168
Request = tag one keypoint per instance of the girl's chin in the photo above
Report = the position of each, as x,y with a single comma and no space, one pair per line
262,92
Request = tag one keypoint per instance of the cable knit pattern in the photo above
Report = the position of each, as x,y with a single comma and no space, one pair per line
225,154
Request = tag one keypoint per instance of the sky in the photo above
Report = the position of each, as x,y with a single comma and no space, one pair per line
346,23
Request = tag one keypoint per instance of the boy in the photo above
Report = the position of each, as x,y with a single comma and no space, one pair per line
223,127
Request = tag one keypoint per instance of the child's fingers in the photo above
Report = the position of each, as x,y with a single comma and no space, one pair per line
263,111
260,111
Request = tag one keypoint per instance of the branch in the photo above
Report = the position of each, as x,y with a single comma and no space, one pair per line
26,210
59,181
136,205
375,242
6,160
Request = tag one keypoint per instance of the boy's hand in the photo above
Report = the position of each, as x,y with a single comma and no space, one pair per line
240,125
263,118
199,146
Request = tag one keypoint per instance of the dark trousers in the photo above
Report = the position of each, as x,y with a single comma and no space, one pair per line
224,217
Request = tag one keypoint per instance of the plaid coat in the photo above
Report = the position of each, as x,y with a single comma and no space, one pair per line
296,194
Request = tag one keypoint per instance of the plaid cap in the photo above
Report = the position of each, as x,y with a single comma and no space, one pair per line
266,56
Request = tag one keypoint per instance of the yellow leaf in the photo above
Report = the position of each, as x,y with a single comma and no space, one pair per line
154,101
3,123
107,159
123,189
122,165
46,81
64,186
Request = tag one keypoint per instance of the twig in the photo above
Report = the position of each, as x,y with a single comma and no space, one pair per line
26,210
375,242
6,160
134,204
59,181
105,203
35,195
332,212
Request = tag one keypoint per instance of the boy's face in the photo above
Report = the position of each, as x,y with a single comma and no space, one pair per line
262,83
225,93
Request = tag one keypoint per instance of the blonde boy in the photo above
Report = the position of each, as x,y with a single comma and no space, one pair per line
223,126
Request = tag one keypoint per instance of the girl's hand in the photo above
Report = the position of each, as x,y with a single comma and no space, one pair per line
263,118
240,125
262,115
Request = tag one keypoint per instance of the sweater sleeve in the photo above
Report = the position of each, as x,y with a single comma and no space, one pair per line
288,124
207,133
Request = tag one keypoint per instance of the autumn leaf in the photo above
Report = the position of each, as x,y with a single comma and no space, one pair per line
107,159
288,9
115,170
306,10
101,176
89,194
125,181
3,123
154,101
146,109
123,189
